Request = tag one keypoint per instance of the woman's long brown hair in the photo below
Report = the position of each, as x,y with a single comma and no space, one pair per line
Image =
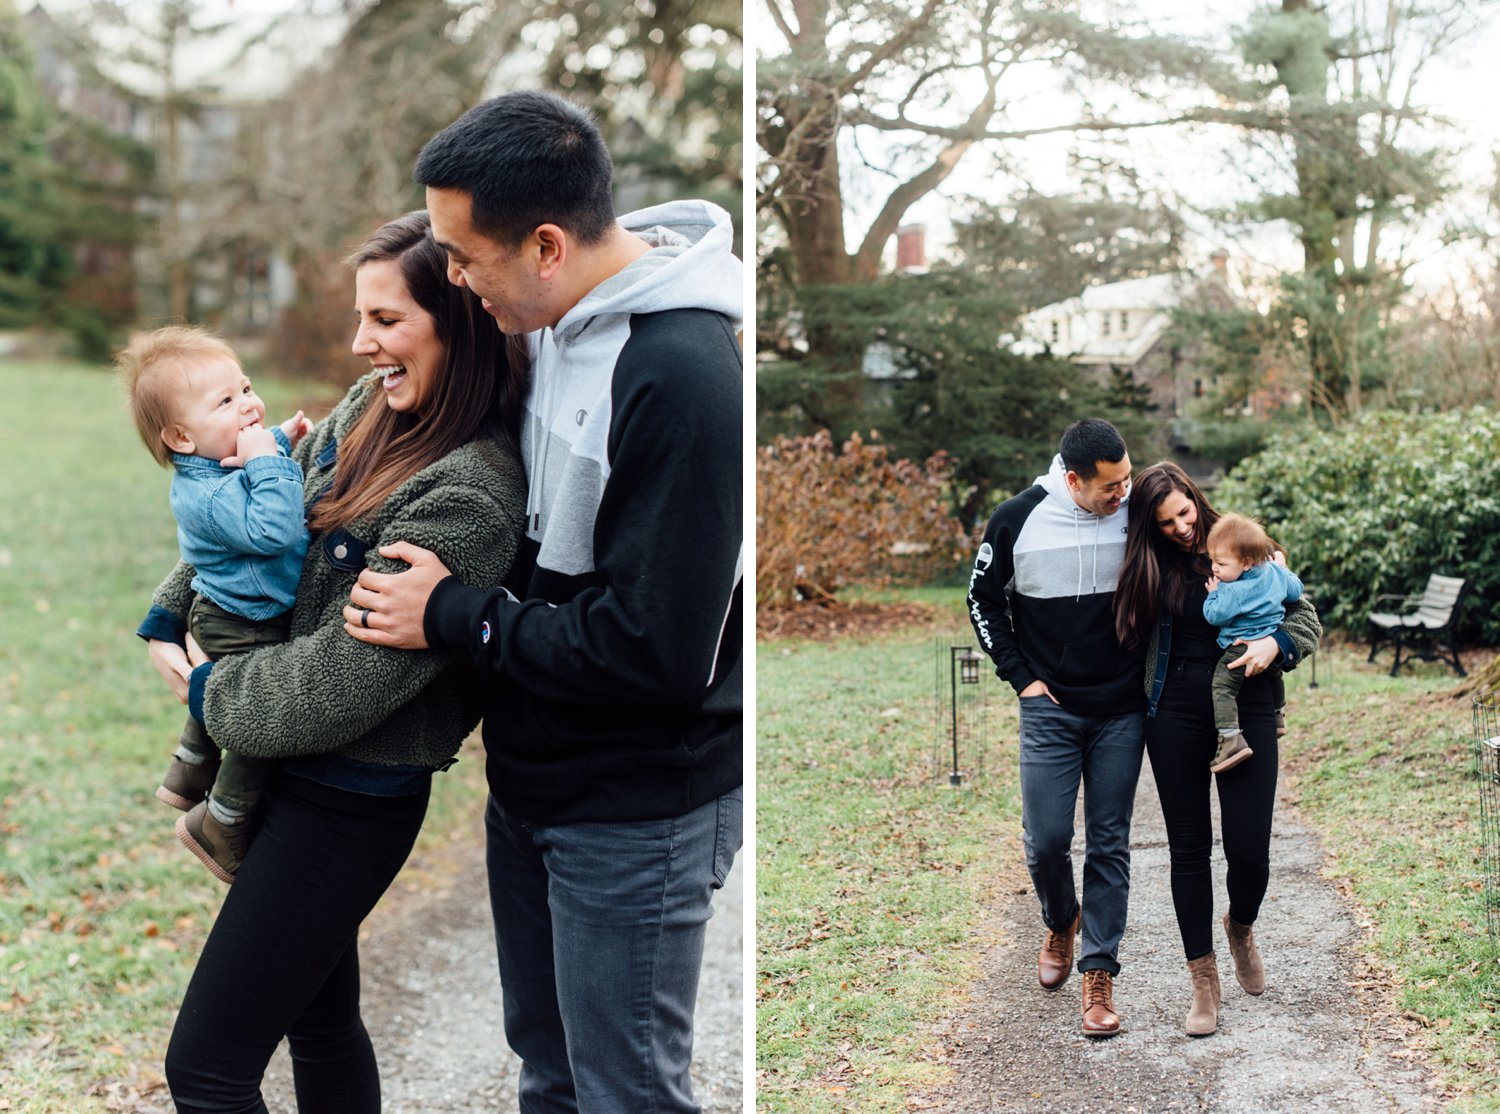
478,391
1157,574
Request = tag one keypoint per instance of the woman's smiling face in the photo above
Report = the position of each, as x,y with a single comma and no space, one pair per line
1177,519
396,335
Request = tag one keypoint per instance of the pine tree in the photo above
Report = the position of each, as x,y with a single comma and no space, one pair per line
930,82
1343,100
34,264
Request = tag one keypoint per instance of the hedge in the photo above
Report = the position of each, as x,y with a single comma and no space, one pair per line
1379,504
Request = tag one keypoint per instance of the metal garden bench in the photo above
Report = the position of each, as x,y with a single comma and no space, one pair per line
1427,620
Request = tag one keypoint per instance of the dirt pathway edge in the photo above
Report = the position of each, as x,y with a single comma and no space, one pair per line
1318,1039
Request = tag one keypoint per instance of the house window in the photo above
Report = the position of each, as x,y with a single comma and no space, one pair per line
1124,323
1108,319
1056,331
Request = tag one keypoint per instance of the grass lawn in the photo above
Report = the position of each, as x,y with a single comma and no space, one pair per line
872,872
102,912
870,869
1384,770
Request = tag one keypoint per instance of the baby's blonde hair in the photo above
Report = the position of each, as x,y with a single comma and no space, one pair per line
153,368
1243,537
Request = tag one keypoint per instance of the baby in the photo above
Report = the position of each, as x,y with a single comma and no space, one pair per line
237,498
1247,597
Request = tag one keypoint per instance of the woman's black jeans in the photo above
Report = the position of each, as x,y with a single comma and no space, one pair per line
282,961
1180,742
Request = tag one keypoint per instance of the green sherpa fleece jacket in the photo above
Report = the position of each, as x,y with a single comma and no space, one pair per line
323,691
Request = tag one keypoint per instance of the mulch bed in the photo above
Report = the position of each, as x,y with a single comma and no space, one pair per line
824,622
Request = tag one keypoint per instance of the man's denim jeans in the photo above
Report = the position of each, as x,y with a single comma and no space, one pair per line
599,928
1059,749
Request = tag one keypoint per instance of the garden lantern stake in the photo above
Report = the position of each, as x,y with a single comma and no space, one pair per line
963,666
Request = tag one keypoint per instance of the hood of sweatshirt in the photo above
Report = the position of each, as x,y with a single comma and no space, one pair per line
690,266
1093,570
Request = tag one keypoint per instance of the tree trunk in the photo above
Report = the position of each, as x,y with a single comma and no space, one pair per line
812,209
812,212
1484,684
179,280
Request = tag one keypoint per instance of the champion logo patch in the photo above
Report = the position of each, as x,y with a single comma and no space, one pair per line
484,633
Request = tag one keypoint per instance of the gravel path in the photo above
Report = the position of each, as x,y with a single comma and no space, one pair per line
431,996
1310,1043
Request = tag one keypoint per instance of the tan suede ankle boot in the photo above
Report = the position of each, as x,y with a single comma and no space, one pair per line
1203,1017
1248,968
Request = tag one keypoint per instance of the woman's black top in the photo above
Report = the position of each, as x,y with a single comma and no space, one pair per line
1194,638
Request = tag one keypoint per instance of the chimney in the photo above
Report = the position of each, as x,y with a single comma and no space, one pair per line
911,247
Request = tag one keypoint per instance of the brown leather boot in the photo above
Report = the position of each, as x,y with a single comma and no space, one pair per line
1231,751
1203,1017
187,783
1055,961
1248,968
220,847
1099,1017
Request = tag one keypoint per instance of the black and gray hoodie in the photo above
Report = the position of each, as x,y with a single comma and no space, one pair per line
618,645
1041,598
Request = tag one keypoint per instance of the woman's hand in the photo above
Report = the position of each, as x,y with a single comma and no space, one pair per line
1260,654
195,654
171,661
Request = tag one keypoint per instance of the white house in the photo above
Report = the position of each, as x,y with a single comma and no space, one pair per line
1121,325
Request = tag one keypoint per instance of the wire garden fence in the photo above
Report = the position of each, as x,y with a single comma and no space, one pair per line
1487,770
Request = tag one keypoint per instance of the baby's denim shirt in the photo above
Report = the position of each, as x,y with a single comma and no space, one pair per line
242,529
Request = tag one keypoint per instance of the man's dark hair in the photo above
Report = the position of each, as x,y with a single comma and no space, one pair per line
1088,441
525,159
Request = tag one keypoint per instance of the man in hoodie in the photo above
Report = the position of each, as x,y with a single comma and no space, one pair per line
1040,599
612,679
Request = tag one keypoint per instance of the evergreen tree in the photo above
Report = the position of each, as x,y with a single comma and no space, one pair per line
1039,248
930,82
1340,93
951,385
34,262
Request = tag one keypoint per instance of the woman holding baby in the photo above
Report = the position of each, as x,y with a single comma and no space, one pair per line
1159,603
422,449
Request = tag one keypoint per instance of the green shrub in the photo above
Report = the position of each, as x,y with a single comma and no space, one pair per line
1378,505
